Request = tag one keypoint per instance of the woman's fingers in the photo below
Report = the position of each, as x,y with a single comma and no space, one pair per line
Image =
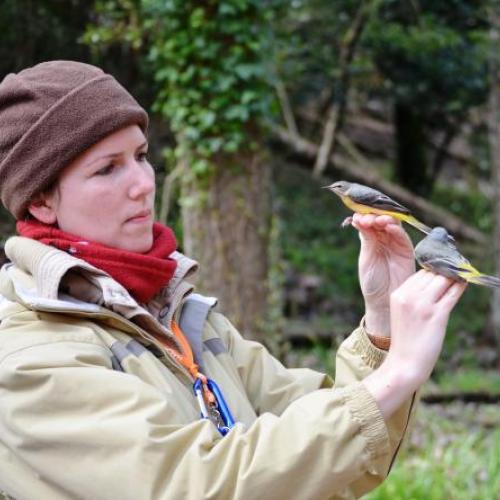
431,287
364,225
451,296
425,278
399,237
432,284
371,221
363,222
437,287
380,226
382,221
375,227
417,281
410,291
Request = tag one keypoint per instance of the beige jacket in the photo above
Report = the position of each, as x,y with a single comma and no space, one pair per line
73,424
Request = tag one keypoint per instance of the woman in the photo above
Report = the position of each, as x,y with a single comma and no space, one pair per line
105,351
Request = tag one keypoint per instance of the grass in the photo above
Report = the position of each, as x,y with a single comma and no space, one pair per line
470,380
452,454
453,451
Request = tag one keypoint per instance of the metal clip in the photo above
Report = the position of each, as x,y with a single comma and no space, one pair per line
219,412
222,406
199,397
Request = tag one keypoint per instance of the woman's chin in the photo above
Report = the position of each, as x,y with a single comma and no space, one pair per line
140,246
137,238
139,243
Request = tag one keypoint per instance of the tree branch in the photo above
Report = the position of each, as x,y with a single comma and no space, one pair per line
336,111
166,192
286,107
306,151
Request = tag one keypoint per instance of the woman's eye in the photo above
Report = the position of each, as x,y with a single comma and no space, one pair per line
142,156
105,170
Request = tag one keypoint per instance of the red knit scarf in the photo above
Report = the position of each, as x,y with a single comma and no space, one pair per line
142,274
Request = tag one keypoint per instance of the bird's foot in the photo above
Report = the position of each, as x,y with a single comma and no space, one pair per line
347,222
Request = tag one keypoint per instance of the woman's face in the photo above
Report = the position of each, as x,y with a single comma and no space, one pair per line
106,195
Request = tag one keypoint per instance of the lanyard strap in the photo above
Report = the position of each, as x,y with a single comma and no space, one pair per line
212,404
186,359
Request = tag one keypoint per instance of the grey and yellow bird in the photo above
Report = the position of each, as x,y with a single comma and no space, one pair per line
366,200
437,253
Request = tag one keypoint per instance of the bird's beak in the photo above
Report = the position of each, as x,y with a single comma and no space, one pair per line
326,187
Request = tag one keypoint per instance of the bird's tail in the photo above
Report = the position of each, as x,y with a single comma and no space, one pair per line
417,224
469,273
485,280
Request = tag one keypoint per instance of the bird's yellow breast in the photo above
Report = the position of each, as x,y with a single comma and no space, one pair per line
361,209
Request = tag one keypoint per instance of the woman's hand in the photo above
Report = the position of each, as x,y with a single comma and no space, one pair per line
420,309
386,260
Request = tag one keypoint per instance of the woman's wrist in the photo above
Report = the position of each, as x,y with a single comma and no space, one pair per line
378,321
391,385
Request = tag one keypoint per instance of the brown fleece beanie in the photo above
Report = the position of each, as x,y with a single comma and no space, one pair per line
50,114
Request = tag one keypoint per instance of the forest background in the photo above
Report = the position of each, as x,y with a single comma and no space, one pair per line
255,105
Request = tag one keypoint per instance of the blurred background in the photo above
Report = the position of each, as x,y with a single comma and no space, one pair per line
255,105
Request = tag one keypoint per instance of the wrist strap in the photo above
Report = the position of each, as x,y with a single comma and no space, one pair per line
381,342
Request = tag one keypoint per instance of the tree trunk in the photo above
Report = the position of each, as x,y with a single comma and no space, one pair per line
442,151
494,141
411,164
227,231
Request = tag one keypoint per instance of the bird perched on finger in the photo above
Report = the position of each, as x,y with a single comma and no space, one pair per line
366,200
437,253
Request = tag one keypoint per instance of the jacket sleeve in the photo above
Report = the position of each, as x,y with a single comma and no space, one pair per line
356,358
91,432
271,387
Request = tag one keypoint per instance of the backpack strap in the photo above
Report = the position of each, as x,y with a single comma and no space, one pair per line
193,316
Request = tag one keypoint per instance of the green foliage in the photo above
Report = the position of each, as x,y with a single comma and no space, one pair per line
429,54
469,380
453,458
318,357
468,320
207,59
465,327
308,35
33,32
313,241
433,54
471,206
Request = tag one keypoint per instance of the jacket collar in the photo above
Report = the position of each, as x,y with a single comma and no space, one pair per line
60,280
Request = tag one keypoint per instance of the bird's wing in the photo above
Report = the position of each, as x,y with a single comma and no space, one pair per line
442,256
373,198
443,266
440,263
453,254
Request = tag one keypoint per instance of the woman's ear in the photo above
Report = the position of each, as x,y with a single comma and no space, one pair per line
42,208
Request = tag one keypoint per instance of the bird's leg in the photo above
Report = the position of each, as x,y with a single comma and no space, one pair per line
347,222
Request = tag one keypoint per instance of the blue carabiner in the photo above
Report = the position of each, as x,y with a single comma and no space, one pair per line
198,392
221,406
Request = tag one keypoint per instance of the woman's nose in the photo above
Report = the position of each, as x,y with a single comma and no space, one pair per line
142,180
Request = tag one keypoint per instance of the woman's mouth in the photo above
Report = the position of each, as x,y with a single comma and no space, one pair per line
140,217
